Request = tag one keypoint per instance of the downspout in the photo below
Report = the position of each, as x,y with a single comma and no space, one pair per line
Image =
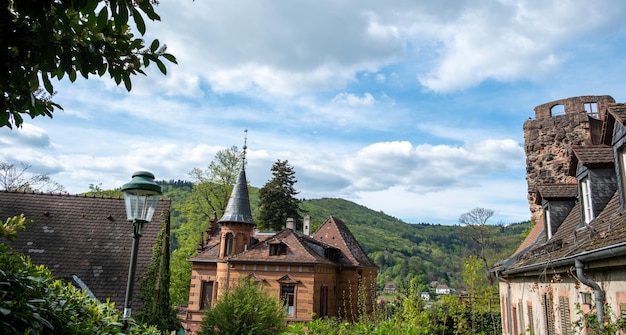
598,294
508,306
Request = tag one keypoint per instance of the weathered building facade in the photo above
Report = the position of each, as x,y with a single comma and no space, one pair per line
315,275
572,263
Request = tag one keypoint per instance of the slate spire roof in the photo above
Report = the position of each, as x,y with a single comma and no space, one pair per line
238,208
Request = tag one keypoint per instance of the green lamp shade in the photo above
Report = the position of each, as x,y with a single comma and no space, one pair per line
141,196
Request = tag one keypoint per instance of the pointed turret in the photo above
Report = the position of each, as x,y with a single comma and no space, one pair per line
238,208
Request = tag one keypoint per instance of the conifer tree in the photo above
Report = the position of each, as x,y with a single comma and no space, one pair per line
277,200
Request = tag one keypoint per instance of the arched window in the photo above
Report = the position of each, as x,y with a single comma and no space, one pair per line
229,244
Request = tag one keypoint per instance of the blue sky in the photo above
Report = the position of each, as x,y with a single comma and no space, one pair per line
414,108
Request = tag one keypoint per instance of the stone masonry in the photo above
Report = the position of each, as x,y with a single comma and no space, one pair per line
548,140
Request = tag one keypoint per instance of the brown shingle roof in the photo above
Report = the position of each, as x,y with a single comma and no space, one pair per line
592,155
84,236
619,112
334,232
556,191
571,239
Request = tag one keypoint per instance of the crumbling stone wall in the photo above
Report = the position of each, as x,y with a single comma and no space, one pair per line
548,140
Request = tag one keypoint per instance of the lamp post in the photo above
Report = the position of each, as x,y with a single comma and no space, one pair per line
141,196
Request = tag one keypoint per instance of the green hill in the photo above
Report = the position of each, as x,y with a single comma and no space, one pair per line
404,250
401,250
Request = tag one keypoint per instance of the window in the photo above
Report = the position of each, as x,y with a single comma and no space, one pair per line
592,109
207,295
566,322
531,324
548,221
514,312
229,244
331,254
278,249
585,192
323,301
287,293
622,171
520,315
548,315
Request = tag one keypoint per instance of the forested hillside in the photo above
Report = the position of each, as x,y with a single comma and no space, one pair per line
403,251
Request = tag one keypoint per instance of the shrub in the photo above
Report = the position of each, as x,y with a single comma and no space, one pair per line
245,309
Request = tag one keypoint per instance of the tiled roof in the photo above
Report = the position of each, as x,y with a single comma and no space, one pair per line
590,155
336,233
619,112
84,236
556,191
300,249
333,234
571,240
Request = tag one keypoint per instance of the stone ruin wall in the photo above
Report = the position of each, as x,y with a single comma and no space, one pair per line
548,141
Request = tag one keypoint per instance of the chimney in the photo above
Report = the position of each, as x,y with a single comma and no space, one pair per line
306,228
290,224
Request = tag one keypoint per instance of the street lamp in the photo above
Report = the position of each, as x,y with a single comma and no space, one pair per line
141,195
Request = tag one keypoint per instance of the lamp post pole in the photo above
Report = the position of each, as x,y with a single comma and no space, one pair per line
137,226
141,196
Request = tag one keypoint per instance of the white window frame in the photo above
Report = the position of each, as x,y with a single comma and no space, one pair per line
548,221
622,170
585,193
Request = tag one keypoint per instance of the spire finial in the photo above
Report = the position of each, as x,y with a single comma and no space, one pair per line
245,144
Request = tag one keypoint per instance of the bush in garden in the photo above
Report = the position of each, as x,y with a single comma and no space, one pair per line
245,309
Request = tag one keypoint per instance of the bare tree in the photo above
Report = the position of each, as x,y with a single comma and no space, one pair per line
17,178
477,229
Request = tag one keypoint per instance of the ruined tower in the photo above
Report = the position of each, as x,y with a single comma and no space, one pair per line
548,139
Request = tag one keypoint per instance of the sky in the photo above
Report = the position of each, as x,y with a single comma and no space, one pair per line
413,108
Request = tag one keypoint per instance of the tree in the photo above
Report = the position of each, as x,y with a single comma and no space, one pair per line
477,229
209,197
14,178
212,186
155,294
40,40
245,309
276,198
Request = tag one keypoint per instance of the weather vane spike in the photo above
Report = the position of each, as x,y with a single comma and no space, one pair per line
245,143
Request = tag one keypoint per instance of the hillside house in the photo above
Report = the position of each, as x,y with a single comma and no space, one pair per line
315,275
85,241
573,261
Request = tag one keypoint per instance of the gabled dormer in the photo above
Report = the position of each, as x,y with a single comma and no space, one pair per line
277,248
616,137
557,201
597,181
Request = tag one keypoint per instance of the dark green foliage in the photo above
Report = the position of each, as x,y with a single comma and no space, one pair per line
33,302
155,294
245,309
277,200
42,40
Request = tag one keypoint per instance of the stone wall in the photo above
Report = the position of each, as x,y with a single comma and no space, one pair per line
548,140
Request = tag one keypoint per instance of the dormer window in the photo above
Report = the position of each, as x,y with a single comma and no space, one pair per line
546,213
585,194
331,254
622,171
277,249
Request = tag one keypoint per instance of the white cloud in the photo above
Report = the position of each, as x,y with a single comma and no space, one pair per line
353,100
